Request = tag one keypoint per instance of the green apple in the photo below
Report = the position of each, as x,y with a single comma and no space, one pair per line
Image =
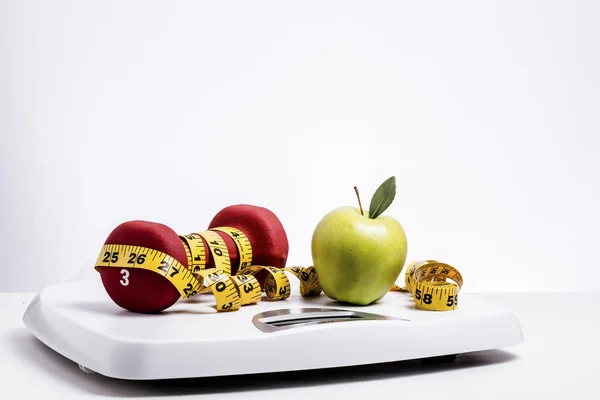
358,257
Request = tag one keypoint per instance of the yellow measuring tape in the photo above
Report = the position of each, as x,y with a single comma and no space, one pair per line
230,292
427,282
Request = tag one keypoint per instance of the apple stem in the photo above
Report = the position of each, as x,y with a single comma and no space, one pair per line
359,203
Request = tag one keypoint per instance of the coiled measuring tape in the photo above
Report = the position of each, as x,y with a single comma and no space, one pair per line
427,282
230,291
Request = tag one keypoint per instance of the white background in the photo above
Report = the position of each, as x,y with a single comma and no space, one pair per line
486,112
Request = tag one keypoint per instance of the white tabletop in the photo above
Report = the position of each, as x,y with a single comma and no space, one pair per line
558,358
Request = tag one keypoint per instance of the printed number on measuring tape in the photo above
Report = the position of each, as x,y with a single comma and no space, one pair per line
428,285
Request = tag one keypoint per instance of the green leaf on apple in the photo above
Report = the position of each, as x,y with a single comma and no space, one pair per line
383,197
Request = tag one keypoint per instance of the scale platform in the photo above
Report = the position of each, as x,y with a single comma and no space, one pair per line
191,339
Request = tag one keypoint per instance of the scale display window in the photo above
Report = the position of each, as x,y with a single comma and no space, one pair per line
272,321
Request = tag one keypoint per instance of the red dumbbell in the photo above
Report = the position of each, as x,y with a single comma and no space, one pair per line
143,291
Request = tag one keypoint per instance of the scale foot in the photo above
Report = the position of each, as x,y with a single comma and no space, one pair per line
85,369
440,359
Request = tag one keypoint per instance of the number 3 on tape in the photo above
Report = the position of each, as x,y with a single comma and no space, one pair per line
223,288
277,284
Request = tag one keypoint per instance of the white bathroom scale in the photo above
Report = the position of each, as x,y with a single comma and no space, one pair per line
191,339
